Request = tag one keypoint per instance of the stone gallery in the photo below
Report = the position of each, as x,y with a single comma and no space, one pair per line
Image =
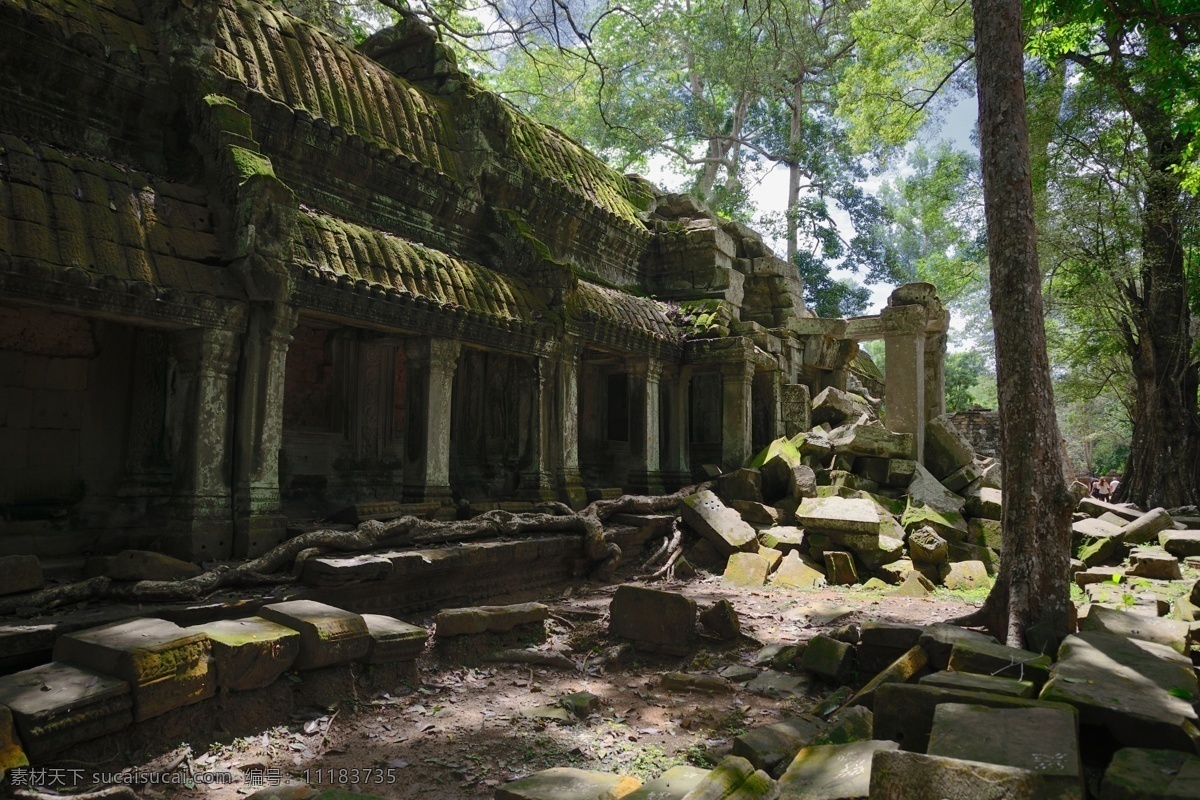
250,274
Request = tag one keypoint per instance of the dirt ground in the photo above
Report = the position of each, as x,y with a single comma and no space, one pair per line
463,731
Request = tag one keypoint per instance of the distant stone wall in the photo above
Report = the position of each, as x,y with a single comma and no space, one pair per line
982,429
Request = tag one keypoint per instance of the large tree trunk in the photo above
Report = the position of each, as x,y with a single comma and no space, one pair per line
1164,460
1030,604
795,134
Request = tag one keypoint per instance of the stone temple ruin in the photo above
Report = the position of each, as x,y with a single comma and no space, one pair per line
251,274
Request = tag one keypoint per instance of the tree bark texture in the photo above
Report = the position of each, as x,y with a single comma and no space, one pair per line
1030,604
1164,460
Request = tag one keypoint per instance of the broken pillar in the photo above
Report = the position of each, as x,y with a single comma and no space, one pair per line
904,350
432,363
736,392
645,474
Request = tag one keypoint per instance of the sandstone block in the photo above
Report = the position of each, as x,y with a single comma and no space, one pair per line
984,503
945,448
1139,774
1111,575
926,490
939,640
900,472
772,747
853,724
734,779
906,669
827,658
966,681
1172,633
393,640
964,575
833,406
783,538
56,706
166,666
1147,527
721,619
913,584
741,484
11,753
839,568
654,619
985,532
947,524
328,635
719,524
746,570
990,658
1140,691
568,783
21,574
961,478
757,513
1180,544
831,771
803,482
145,565
674,784
1094,528
489,619
1153,562
342,570
900,775
250,653
838,514
926,546
795,573
874,442
770,683
1044,741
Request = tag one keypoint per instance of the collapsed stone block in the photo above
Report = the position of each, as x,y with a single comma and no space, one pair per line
985,532
1155,563
874,442
653,619
927,547
489,619
966,681
57,705
794,572
835,407
250,653
926,490
1172,633
853,724
568,783
719,524
827,658
781,685
796,403
880,643
1146,527
939,640
734,779
1044,741
1180,544
913,584
838,514
784,538
900,775
948,524
721,619
757,513
328,635
166,666
1139,774
991,658
674,784
772,747
1140,691
900,472
831,771
393,640
905,669
342,570
839,568
741,484
961,478
21,574
963,575
984,503
746,570
946,449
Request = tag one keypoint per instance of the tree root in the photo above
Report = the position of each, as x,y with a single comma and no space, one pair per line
275,566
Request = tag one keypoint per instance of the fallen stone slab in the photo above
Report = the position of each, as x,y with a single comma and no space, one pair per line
900,472
784,538
926,490
56,706
1093,549
913,584
984,503
746,570
873,441
12,755
948,524
853,724
674,784
1139,774
770,683
1146,528
734,779
836,407
772,747
489,619
1094,527
393,640
1044,741
21,574
250,653
839,568
1154,563
827,658
145,565
904,711
900,775
719,524
328,635
938,641
990,658
1098,508
1160,630
946,449
722,619
880,643
794,572
887,550
838,514
568,783
757,513
985,532
1140,691
740,484
962,477
653,619
966,681
166,666
831,771
992,476
738,673
905,669
343,570
1107,575
1180,544
965,575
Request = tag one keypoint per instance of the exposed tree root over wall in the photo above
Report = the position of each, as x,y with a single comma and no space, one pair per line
275,566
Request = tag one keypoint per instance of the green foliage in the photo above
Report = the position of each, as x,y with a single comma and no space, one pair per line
826,295
963,371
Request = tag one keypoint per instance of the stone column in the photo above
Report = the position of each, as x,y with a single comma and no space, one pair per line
539,388
645,474
677,463
201,527
736,399
432,363
568,480
935,362
259,523
905,357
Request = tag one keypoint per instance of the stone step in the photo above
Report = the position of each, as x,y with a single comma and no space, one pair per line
328,635
489,619
58,705
165,665
250,653
393,640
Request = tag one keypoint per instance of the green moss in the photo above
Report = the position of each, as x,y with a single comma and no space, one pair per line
248,163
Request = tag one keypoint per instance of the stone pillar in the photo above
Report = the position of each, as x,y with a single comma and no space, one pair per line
432,363
539,390
905,356
736,400
147,462
645,474
568,480
935,365
201,527
259,523
797,409
677,462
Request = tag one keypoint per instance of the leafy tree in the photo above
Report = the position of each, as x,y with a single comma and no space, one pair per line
963,371
828,296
